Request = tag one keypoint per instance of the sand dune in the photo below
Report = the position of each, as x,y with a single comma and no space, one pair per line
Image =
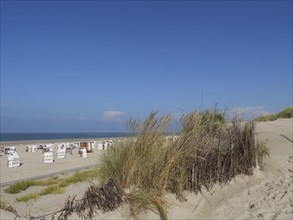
265,195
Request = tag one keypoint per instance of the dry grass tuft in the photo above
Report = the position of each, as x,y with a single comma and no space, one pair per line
106,198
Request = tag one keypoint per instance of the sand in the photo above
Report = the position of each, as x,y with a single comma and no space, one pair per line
265,195
33,166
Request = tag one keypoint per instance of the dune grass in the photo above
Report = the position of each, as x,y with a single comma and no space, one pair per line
142,169
26,198
78,177
19,186
145,167
285,113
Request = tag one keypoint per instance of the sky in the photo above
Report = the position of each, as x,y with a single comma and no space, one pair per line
79,66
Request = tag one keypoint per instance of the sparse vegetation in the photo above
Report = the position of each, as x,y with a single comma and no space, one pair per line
28,197
140,170
53,185
19,186
143,168
54,189
5,206
286,113
78,177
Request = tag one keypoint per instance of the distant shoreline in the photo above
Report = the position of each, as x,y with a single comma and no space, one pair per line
27,142
16,138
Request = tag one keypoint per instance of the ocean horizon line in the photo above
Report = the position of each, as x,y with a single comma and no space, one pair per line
31,136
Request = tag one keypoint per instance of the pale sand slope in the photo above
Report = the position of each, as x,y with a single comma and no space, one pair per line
265,195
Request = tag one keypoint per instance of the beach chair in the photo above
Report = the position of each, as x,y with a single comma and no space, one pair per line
69,150
93,144
28,148
88,146
106,144
61,151
34,148
13,159
74,145
48,157
1,151
9,150
50,147
83,152
100,146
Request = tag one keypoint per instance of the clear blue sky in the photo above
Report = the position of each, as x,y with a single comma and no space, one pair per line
70,66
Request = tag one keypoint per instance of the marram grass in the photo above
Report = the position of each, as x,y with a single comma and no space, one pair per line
143,168
140,170
285,113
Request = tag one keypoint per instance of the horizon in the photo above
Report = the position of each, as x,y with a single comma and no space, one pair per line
88,66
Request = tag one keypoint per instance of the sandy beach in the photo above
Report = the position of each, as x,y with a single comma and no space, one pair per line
265,195
33,166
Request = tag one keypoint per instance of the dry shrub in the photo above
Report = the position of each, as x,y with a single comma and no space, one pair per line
107,197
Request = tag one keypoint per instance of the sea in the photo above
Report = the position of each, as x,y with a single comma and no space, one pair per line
6,137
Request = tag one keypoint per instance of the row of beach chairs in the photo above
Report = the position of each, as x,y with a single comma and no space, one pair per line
62,150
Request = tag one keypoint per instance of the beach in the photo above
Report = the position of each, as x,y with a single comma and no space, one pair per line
267,194
33,165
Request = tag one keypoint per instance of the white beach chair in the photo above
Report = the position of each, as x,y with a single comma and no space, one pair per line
50,147
100,146
13,159
8,150
93,144
34,148
48,157
83,152
106,144
61,152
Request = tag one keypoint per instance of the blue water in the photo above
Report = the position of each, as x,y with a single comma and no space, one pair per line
55,136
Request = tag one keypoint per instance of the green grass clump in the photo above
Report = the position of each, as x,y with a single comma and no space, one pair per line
28,197
53,185
55,189
24,185
285,113
206,152
79,177
19,186
51,181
